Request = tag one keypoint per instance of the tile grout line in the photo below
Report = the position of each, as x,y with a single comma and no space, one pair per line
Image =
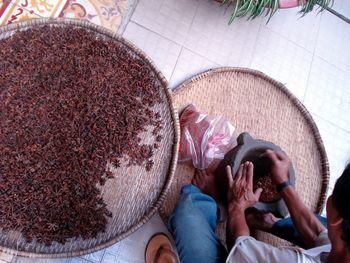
191,24
129,14
150,30
172,73
182,45
255,46
312,60
199,55
161,36
333,64
203,57
286,38
144,27
87,260
329,122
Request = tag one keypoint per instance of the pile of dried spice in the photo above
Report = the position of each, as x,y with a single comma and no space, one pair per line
269,193
262,179
70,103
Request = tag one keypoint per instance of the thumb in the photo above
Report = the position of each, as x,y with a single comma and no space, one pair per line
281,155
258,193
272,156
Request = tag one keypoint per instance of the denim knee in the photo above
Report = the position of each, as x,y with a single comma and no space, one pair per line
193,225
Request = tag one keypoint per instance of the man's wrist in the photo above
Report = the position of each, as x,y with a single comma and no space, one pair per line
235,208
281,186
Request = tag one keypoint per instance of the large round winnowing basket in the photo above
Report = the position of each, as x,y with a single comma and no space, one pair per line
265,108
134,195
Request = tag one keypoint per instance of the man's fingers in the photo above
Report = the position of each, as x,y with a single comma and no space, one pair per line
229,175
258,193
250,174
239,174
271,155
275,155
244,174
281,155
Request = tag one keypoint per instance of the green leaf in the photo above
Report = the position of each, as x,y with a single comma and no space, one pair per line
260,8
273,10
242,9
233,16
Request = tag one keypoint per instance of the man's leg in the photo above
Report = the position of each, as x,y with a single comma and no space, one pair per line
193,225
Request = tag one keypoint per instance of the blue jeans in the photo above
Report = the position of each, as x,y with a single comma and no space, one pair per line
285,229
193,225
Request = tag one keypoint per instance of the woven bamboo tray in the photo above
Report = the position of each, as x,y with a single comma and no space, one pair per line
265,108
134,195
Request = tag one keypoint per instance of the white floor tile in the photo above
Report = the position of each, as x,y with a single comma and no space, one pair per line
162,51
333,41
77,260
300,30
212,37
283,60
110,258
95,257
188,65
4,258
328,93
336,142
169,18
342,7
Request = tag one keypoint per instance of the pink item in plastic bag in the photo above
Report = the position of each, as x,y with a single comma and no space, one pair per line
204,138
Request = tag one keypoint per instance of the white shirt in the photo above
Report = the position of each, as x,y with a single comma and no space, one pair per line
248,249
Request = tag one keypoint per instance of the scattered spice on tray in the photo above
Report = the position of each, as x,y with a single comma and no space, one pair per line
70,103
262,179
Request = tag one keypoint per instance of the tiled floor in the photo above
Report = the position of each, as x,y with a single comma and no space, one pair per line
342,7
311,55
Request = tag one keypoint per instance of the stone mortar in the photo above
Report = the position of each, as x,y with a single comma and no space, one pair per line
246,150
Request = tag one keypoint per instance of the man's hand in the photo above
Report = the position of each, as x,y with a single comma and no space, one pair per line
240,196
304,220
279,166
240,189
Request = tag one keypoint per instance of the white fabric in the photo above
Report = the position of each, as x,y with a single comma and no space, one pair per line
247,249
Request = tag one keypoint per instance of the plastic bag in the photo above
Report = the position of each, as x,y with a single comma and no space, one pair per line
204,138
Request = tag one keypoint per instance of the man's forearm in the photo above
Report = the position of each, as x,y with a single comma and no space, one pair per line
304,220
236,225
